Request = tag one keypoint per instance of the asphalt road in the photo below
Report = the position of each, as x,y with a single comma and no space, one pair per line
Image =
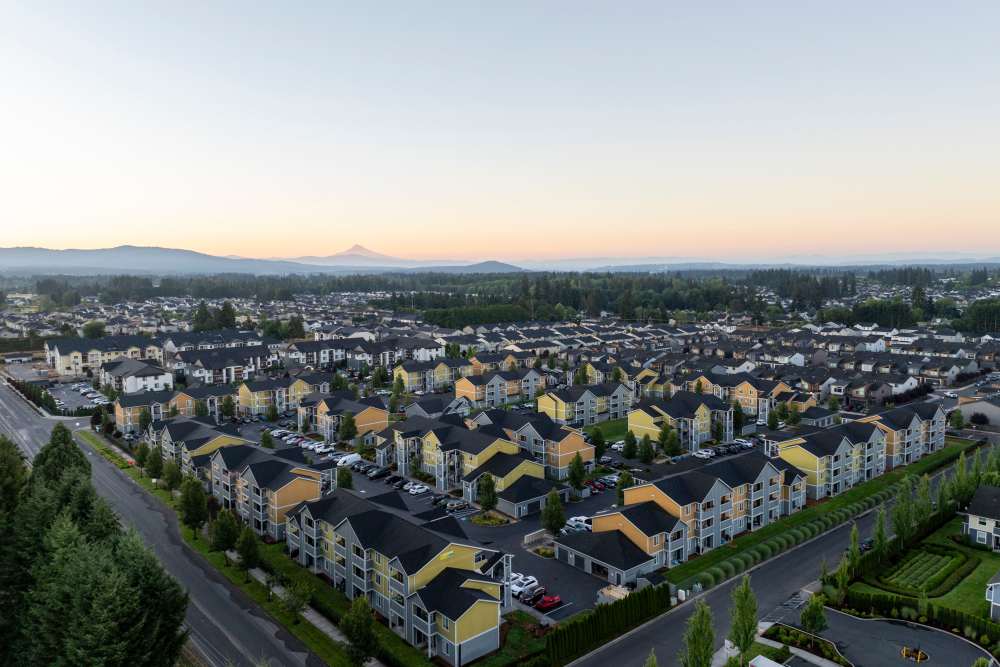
225,625
774,583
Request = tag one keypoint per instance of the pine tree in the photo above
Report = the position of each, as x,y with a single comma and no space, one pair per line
651,660
577,473
194,505
266,440
646,450
145,419
200,409
629,449
699,638
487,492
202,319
271,414
553,518
348,430
57,457
743,628
663,437
772,420
225,531
345,480
13,478
357,624
624,481
154,464
903,512
597,440
924,507
228,407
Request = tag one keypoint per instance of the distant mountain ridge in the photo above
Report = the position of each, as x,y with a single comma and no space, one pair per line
358,255
156,260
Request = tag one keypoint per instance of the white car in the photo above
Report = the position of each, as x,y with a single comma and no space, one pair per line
702,454
580,523
950,394
417,489
515,577
522,585
619,446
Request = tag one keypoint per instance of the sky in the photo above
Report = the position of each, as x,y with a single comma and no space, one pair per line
457,130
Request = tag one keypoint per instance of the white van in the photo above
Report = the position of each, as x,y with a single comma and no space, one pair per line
348,460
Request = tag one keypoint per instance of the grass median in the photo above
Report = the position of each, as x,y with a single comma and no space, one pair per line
685,572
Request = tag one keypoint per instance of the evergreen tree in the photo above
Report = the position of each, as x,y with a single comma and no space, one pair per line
553,518
345,480
13,478
145,419
296,327
630,449
577,473
651,660
228,407
624,481
597,440
358,625
154,464
487,492
57,457
225,531
663,438
266,440
924,506
646,450
271,414
202,319
225,318
674,443
956,419
739,419
194,505
247,548
772,420
699,638
743,628
348,430
200,409
854,550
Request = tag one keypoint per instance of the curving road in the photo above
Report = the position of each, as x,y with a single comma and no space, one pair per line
774,582
226,626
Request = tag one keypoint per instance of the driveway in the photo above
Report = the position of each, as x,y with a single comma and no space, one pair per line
868,643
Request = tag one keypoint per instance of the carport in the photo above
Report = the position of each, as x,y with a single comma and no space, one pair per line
607,555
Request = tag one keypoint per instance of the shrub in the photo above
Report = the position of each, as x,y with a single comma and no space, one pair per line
717,574
727,568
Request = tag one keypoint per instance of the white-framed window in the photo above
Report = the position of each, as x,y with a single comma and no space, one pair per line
981,537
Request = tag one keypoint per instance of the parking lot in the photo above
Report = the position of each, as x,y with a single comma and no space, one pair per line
70,397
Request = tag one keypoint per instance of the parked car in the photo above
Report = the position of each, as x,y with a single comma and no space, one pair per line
534,597
392,479
439,498
456,505
378,472
348,460
522,585
418,489
401,484
605,460
548,603
618,446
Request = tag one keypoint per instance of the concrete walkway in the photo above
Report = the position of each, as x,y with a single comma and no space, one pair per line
317,619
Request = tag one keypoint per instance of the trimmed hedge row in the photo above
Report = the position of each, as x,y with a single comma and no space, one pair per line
941,582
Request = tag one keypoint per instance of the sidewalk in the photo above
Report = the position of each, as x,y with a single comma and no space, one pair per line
317,619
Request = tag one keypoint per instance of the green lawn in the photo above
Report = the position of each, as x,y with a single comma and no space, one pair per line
685,571
969,594
612,430
920,567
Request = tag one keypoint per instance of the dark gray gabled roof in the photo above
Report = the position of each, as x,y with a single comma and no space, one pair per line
528,488
445,594
650,518
986,502
610,547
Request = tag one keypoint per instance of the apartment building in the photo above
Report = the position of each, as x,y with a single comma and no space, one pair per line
695,417
583,405
836,459
267,490
438,592
128,376
911,431
552,445
77,357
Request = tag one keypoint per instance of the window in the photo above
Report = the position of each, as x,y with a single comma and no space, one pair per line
981,538
444,621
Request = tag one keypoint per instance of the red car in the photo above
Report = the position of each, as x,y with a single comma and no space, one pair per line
548,602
